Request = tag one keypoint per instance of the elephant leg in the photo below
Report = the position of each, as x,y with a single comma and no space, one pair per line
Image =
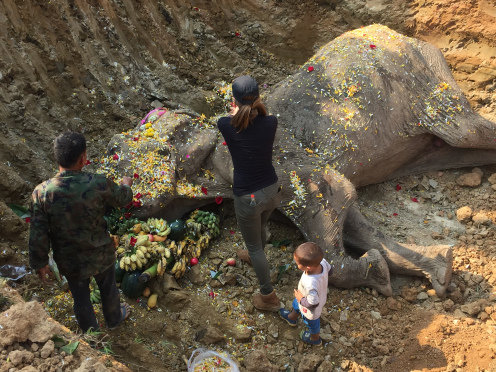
433,262
370,270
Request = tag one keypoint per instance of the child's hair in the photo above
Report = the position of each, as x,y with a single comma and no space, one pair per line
248,112
309,254
68,147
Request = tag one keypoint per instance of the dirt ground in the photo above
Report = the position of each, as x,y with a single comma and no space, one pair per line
84,65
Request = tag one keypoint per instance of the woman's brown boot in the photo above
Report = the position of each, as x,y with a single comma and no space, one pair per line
268,302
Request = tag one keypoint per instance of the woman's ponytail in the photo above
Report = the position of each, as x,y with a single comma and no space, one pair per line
246,113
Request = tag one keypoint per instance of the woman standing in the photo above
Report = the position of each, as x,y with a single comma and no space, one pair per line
249,133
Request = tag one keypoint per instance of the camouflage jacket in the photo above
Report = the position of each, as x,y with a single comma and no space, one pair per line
67,214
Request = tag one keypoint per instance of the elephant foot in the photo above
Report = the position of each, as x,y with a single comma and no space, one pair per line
370,270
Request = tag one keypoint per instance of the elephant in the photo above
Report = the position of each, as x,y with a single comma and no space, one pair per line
369,106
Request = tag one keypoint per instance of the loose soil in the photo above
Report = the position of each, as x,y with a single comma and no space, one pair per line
99,68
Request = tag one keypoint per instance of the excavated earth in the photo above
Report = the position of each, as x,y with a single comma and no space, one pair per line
99,67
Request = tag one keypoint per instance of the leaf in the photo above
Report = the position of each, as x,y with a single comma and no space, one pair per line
21,211
58,341
70,347
215,274
281,270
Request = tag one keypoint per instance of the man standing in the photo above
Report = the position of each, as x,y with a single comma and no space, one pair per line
67,214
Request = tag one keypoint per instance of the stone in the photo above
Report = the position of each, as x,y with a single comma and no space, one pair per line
257,361
211,335
464,214
343,316
242,334
478,171
35,346
47,349
273,330
393,304
409,294
471,309
422,296
326,337
195,276
310,362
18,357
326,366
448,305
481,218
469,180
375,315
492,179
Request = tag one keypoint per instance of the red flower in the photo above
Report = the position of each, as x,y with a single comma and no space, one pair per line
237,34
225,143
27,219
212,294
196,8
231,232
138,196
395,214
136,175
88,162
136,139
132,241
204,190
372,46
415,200
398,187
310,68
218,199
115,157
137,203
127,215
128,205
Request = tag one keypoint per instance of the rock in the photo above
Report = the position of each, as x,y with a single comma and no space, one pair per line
393,304
242,334
464,214
343,316
469,180
481,218
326,337
471,309
409,294
375,315
18,357
169,283
437,236
195,276
309,362
47,349
478,171
35,346
243,281
29,369
483,316
257,361
492,179
273,330
326,366
448,305
211,335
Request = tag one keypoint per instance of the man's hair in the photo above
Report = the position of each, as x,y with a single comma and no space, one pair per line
68,147
309,254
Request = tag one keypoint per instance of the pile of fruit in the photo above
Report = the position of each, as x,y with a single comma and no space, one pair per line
153,247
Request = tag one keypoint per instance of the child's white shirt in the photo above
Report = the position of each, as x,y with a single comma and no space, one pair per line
314,289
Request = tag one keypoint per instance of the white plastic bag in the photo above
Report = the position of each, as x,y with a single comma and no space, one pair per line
211,361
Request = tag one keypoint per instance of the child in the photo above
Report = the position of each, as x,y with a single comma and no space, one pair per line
311,294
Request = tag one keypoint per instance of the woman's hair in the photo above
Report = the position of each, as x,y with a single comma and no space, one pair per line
68,147
309,254
247,112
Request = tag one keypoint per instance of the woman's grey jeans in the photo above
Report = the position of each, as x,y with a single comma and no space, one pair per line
252,213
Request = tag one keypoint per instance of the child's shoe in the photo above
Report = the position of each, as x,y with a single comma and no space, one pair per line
283,313
305,337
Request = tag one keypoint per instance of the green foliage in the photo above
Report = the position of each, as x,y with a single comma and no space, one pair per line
118,224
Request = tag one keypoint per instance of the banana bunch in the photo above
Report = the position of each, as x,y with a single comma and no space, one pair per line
179,267
95,296
156,225
137,260
194,228
208,220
